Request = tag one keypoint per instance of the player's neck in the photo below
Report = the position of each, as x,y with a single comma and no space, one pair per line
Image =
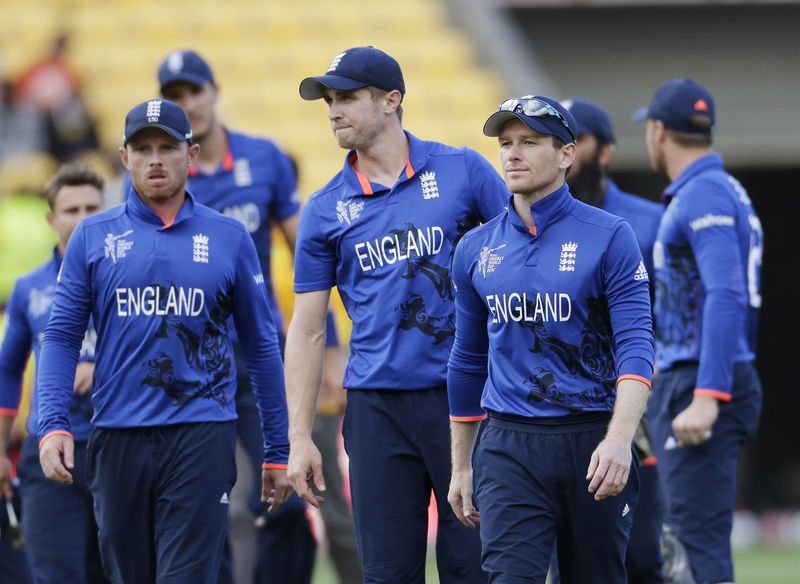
384,160
212,149
681,158
524,201
167,208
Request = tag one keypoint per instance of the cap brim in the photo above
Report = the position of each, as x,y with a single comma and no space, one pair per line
186,78
640,115
494,125
178,136
314,87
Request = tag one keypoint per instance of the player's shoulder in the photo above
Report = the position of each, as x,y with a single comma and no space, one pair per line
217,219
35,277
636,204
333,189
252,142
441,150
105,216
484,230
595,217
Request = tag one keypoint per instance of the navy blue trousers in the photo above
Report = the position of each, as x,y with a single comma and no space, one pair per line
699,482
58,522
14,568
531,491
399,448
161,500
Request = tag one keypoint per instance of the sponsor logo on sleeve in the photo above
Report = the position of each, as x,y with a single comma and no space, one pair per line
711,220
641,273
258,278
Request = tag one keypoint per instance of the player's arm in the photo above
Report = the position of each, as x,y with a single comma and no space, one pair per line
13,357
629,309
285,206
305,349
259,339
331,400
722,269
466,376
488,189
58,359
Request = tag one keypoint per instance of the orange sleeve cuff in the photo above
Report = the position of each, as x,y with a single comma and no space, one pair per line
715,393
650,461
54,433
9,412
644,380
468,418
274,466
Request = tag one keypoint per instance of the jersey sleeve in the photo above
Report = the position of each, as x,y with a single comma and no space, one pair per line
63,338
14,351
286,200
314,256
712,234
489,191
259,339
626,284
467,368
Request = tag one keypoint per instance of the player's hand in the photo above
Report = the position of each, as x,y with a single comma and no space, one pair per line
305,470
275,487
57,457
693,425
84,377
5,477
460,498
609,467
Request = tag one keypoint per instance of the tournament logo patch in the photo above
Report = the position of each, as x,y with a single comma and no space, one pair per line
117,247
488,260
348,212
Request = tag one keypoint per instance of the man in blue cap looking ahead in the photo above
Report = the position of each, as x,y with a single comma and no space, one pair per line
553,293
707,396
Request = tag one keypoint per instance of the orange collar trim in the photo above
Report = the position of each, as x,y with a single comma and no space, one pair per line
366,186
227,163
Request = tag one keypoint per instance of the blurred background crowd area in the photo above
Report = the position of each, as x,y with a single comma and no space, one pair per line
71,69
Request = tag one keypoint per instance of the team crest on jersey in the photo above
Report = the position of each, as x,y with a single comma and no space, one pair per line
335,63
200,248
348,212
242,176
569,252
641,273
488,260
430,188
40,300
117,247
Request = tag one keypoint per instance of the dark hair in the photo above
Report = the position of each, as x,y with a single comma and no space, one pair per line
71,175
691,139
378,93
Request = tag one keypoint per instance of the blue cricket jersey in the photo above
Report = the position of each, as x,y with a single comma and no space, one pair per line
161,297
27,314
643,216
256,184
708,275
389,251
562,312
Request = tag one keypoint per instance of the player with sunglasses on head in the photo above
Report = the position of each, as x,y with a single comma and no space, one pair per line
554,294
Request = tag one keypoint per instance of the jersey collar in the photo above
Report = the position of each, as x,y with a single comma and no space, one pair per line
138,209
57,259
545,211
708,162
358,184
227,159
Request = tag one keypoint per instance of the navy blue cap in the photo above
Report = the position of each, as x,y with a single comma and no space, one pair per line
353,69
158,113
591,119
682,105
184,66
541,114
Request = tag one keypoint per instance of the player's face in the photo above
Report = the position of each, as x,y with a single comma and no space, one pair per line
71,205
654,149
158,164
356,118
198,101
531,165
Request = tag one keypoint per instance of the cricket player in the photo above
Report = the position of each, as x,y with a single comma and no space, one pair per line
554,293
161,276
57,520
707,396
250,179
383,230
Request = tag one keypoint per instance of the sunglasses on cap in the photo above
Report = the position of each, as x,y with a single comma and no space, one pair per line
535,108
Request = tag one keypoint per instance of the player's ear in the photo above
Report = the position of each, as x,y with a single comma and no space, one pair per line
123,156
566,156
194,153
606,153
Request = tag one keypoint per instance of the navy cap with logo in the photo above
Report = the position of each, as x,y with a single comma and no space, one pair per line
185,66
541,114
591,119
353,69
682,105
158,113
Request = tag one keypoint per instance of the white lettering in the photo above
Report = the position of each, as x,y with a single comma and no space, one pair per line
710,220
361,257
148,301
548,307
391,249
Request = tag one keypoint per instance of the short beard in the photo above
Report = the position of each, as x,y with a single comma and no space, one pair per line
588,184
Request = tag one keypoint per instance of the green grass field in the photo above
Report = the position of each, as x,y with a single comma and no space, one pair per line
756,566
